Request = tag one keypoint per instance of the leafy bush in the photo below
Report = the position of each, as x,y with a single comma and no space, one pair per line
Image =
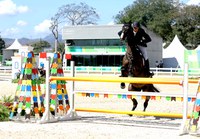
7,99
15,80
41,80
4,113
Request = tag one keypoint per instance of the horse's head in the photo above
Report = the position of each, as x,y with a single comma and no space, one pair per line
126,31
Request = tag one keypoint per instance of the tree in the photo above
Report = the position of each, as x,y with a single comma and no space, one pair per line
2,45
187,26
166,18
78,14
157,15
61,48
72,14
39,46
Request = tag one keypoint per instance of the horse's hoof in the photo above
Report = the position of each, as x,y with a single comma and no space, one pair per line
123,85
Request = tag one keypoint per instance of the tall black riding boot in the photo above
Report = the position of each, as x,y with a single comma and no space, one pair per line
149,74
123,70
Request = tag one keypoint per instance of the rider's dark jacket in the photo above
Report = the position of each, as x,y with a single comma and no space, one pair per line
141,38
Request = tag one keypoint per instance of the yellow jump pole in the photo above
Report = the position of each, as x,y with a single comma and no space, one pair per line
175,81
137,80
137,113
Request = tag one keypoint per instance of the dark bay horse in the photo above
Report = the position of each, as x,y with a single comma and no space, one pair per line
133,65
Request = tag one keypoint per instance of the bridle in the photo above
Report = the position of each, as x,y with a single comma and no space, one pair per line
125,30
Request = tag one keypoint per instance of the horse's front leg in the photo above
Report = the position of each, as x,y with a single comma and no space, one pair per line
135,103
124,71
124,68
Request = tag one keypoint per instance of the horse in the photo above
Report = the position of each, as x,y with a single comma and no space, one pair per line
133,63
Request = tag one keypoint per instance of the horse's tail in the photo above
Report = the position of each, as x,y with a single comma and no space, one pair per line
155,89
152,88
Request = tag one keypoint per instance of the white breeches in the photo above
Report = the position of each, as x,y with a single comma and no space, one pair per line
144,52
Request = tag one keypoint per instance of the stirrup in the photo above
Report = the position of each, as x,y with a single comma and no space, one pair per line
130,75
150,74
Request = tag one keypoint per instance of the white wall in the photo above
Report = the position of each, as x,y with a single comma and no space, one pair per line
154,48
16,65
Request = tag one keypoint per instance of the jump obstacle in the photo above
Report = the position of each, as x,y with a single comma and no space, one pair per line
72,111
71,114
29,98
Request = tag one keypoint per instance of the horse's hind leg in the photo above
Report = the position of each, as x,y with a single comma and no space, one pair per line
135,103
149,88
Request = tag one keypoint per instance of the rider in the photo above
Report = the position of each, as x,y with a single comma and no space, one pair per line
141,39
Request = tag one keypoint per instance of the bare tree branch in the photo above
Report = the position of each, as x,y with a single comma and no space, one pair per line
73,14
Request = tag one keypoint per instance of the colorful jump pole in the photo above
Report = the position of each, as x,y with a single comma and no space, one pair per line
28,91
194,126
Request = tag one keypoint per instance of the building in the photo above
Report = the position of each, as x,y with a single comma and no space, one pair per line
14,56
15,49
99,45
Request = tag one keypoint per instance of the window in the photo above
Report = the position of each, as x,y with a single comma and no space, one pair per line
97,60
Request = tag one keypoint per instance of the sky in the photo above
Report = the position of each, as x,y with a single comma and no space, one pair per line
31,18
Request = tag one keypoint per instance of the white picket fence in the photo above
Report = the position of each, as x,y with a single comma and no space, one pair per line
5,69
116,71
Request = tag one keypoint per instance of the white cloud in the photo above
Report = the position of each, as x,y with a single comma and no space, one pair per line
43,27
8,7
21,23
193,2
10,32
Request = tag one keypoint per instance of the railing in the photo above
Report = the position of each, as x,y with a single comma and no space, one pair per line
5,69
116,71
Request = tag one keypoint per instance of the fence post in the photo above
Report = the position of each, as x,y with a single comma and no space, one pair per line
156,71
47,116
72,87
171,71
71,114
184,126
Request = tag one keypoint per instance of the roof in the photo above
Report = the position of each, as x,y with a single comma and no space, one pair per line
91,32
175,51
15,46
175,48
198,48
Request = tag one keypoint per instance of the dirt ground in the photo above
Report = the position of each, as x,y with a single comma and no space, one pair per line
104,126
